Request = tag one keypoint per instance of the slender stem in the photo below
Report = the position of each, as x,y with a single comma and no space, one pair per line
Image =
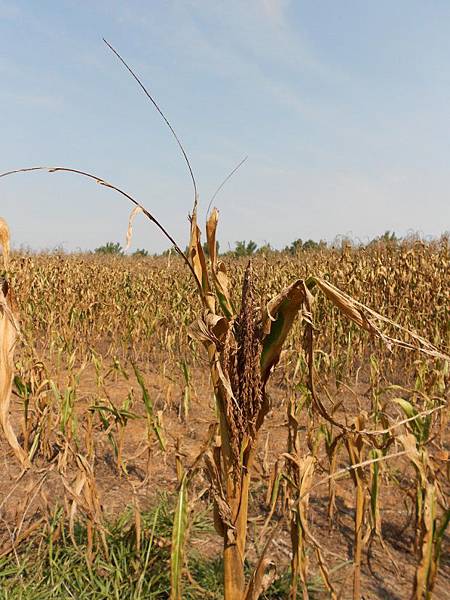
224,182
153,101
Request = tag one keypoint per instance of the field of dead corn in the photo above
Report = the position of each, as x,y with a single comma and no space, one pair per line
272,430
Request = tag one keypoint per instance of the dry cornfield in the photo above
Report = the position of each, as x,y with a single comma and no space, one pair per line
345,483
199,426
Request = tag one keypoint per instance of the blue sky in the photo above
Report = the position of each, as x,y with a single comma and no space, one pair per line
343,109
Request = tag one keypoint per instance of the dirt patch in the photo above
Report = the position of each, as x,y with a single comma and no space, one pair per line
148,470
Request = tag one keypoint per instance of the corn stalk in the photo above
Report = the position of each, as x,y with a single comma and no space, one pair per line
243,348
8,335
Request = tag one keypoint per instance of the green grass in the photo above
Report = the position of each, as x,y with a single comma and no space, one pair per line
45,570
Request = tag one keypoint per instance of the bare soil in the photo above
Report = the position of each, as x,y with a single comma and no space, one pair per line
388,567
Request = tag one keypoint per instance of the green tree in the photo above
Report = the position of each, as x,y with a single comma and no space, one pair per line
300,245
310,245
244,248
388,237
140,252
112,248
295,247
206,249
265,250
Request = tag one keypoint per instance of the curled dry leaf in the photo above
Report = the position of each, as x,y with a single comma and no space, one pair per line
306,467
198,262
222,512
136,210
357,312
346,305
265,572
209,328
418,458
220,277
277,322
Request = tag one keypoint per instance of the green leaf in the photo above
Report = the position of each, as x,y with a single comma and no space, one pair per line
406,407
416,426
277,323
151,418
180,523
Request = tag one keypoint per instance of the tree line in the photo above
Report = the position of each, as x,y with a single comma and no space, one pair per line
244,248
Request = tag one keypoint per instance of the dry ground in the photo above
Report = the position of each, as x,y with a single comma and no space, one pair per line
388,571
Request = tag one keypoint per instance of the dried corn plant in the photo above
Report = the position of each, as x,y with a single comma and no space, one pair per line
80,316
243,348
9,329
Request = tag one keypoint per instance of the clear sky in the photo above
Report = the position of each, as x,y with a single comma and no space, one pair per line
343,109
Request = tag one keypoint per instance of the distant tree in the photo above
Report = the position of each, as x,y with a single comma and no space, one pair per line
342,241
388,237
265,249
300,245
172,250
295,247
140,252
113,248
244,248
206,249
311,245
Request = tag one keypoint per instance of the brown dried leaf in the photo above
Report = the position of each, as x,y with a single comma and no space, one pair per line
211,228
4,242
198,262
306,468
219,273
262,577
347,306
209,328
356,311
136,210
8,336
222,516
421,587
409,443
